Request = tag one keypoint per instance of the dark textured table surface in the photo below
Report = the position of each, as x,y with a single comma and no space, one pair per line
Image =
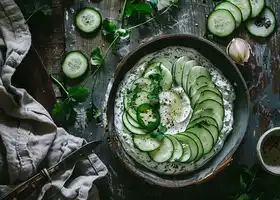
262,75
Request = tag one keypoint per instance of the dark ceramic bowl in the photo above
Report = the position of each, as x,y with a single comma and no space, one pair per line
241,109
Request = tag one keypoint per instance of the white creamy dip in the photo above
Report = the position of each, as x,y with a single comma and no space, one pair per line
172,54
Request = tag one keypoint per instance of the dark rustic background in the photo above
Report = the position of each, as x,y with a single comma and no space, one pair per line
262,75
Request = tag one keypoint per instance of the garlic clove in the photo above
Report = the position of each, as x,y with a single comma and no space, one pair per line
239,50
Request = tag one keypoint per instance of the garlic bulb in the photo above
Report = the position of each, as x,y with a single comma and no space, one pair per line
239,50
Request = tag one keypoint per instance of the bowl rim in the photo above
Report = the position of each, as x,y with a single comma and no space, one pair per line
228,158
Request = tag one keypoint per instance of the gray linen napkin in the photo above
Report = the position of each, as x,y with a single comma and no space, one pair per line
28,135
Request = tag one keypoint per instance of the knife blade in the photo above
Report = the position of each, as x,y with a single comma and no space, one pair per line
24,189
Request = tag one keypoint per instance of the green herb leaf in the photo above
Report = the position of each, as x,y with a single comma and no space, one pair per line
123,33
60,111
138,9
153,3
243,197
108,28
96,57
162,128
78,94
46,10
92,113
242,182
157,135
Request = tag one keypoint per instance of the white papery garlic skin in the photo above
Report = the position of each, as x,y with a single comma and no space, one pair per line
239,50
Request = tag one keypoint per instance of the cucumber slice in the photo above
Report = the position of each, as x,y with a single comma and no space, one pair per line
244,6
212,129
209,113
163,61
196,96
211,104
263,25
207,94
166,81
143,83
175,106
164,152
200,82
178,149
204,136
190,148
187,68
221,23
131,128
151,67
146,142
233,9
132,121
203,120
88,20
257,7
198,142
74,64
196,72
178,70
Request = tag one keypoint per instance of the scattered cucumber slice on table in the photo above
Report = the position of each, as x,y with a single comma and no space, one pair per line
131,128
244,6
234,10
88,20
263,25
74,64
146,142
164,152
257,7
221,23
178,149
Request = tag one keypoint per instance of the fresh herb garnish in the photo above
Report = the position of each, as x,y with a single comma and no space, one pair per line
139,9
96,58
32,7
64,111
159,132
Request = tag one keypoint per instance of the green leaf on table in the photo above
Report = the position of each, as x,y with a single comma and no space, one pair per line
242,182
138,9
92,113
243,197
108,28
32,7
46,10
153,3
78,94
60,111
96,57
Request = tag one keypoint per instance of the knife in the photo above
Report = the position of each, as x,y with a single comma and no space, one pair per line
23,190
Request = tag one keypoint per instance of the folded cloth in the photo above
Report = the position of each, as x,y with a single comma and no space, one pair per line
28,135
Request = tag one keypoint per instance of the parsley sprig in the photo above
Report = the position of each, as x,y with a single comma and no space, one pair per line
64,112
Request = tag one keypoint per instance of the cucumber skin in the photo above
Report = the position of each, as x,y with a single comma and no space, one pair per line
67,54
228,34
88,34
